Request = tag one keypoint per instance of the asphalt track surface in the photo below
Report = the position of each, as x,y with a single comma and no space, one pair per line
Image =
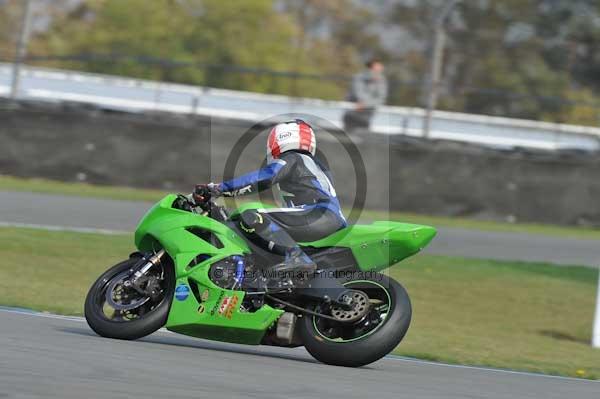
20,208
43,356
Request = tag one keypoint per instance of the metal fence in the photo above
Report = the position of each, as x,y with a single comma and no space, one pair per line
143,95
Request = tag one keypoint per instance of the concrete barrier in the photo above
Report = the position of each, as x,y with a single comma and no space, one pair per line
70,142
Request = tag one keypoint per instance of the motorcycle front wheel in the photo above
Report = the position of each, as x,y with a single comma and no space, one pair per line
115,310
382,312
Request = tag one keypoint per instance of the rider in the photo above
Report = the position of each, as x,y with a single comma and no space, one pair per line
313,210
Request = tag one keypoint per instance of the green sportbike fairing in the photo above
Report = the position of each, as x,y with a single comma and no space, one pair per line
196,274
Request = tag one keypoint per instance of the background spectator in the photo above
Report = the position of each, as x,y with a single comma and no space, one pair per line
368,90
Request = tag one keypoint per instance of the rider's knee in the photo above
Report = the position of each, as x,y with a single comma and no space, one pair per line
251,221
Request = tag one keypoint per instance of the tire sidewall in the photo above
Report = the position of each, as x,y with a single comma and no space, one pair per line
371,347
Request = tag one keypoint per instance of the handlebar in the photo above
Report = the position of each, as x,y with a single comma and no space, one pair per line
202,194
206,206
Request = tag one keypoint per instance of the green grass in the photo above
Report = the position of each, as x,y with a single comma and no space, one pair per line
9,183
52,271
127,193
522,316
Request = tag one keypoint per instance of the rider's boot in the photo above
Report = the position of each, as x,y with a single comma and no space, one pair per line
294,271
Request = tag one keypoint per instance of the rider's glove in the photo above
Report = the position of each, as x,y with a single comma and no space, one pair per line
204,192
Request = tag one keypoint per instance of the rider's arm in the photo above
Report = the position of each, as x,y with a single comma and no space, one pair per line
255,181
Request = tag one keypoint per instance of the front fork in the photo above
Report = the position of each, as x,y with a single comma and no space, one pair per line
150,262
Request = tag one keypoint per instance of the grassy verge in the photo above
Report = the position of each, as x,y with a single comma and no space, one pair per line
133,194
45,186
52,271
534,317
523,316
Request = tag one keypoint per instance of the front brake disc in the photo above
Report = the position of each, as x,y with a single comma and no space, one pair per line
115,294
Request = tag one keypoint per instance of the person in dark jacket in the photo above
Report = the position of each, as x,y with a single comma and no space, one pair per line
312,209
369,90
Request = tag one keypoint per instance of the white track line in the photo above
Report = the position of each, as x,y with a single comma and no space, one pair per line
505,371
27,312
87,230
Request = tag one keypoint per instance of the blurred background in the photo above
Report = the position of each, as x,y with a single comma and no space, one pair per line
532,59
486,125
502,93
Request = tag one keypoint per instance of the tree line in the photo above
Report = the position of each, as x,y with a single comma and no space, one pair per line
533,59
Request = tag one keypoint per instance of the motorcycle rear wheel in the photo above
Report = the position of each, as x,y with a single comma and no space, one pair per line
367,340
135,323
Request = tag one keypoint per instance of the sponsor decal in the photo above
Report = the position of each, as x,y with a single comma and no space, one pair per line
284,135
246,229
201,309
182,292
218,301
227,306
244,190
205,295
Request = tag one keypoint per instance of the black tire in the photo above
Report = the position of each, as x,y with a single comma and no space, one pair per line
370,348
131,329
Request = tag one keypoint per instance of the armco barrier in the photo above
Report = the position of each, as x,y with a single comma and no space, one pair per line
119,93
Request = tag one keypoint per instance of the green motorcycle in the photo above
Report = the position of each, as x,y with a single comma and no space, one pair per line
196,274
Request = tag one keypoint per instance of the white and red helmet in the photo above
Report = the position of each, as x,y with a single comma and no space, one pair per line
293,135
